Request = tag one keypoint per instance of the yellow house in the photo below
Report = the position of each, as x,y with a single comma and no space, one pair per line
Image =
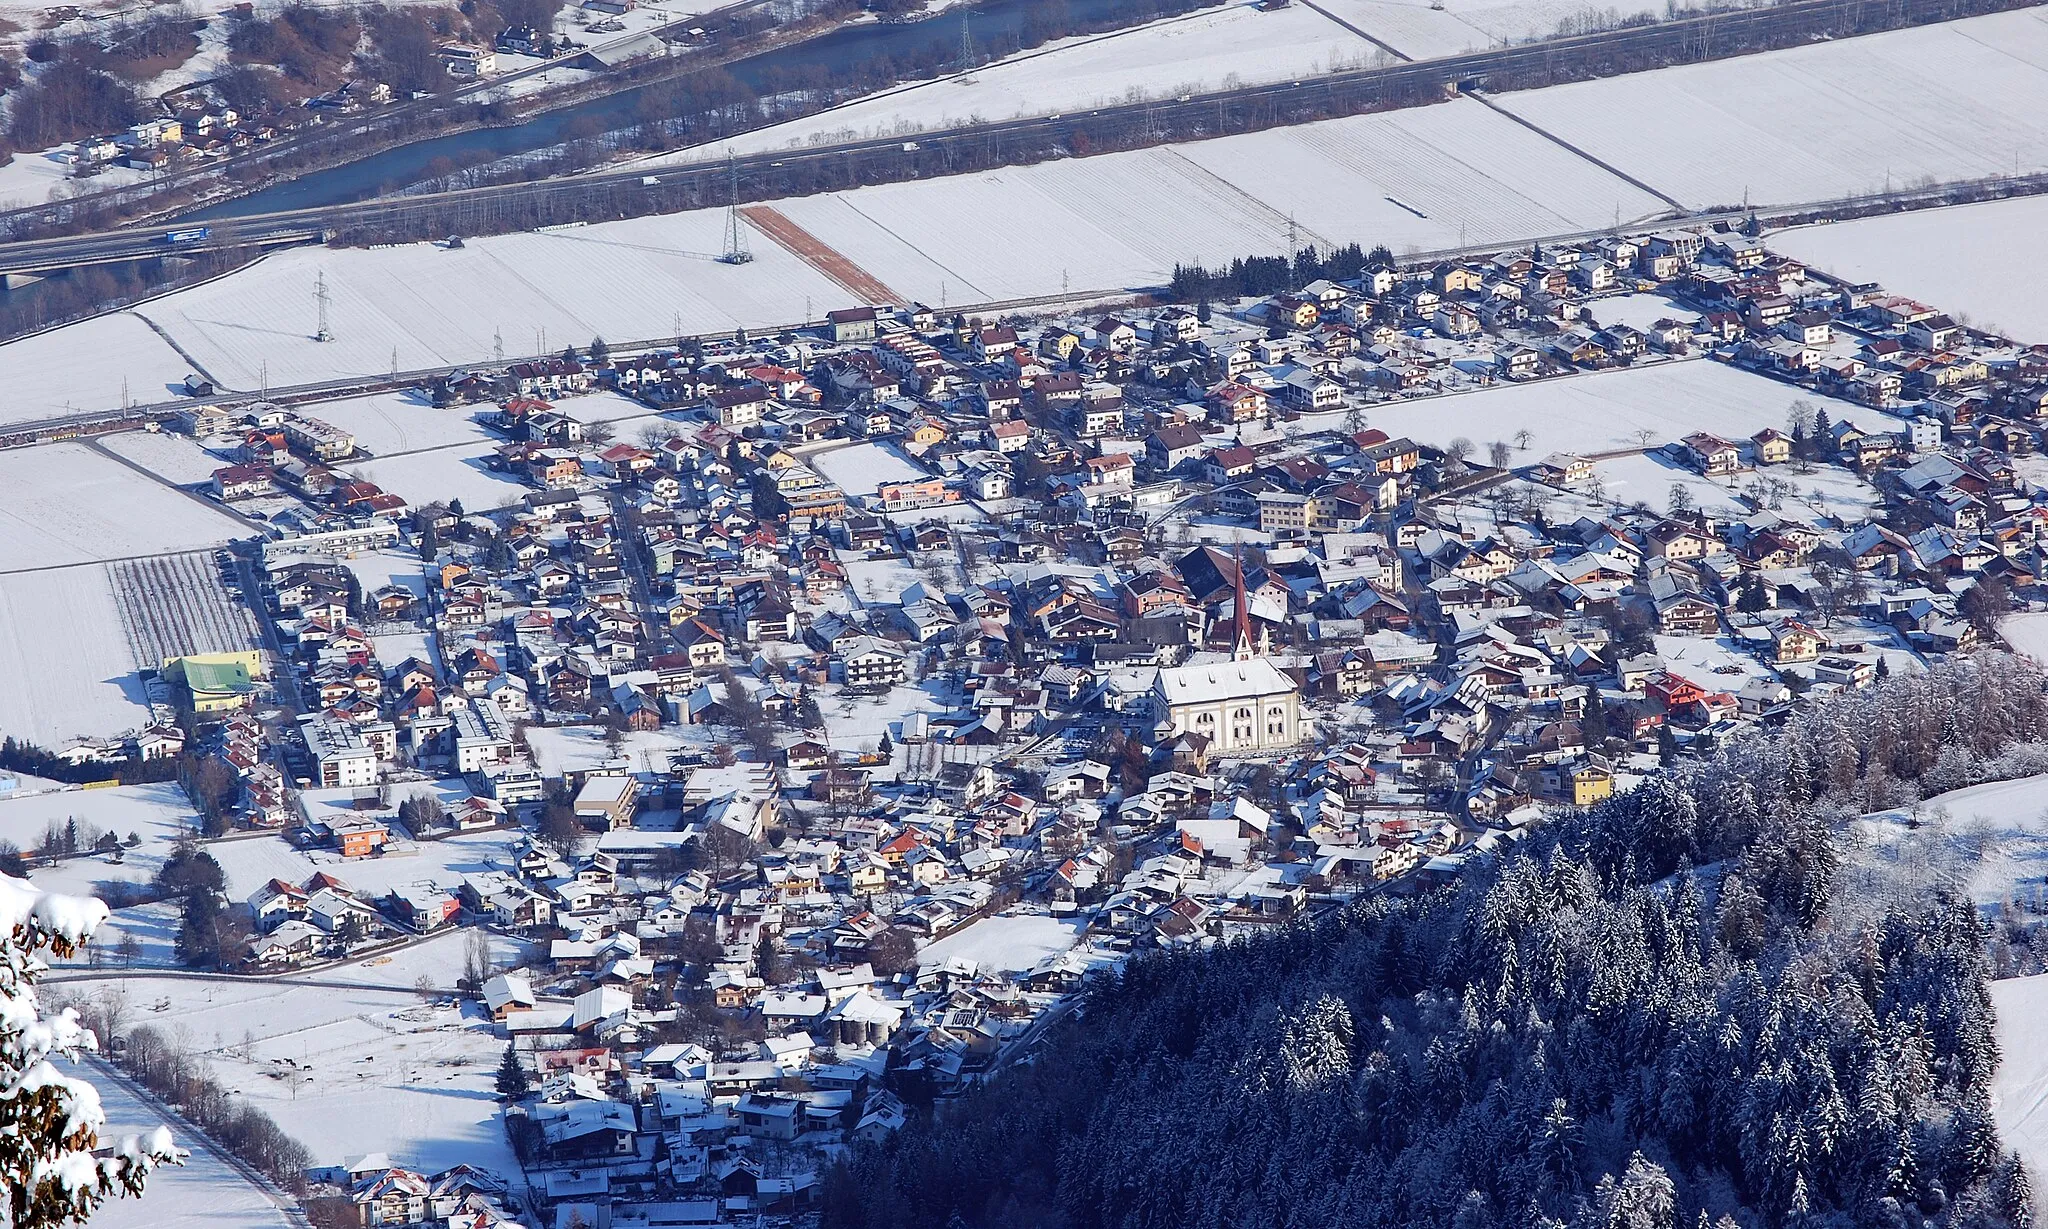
872,875
1772,447
1590,784
924,433
1058,344
1795,641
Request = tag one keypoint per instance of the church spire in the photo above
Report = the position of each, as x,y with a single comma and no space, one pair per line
1241,647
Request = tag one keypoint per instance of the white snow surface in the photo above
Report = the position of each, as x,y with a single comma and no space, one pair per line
1983,261
1986,840
2027,634
1010,943
2019,1092
67,504
1953,101
861,468
1602,412
64,652
1206,50
205,1190
86,366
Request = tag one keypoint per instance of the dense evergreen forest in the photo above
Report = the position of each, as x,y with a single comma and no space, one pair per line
1698,1004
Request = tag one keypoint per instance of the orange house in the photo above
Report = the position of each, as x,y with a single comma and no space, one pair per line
359,838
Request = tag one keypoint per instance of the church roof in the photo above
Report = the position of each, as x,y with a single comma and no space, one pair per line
1228,680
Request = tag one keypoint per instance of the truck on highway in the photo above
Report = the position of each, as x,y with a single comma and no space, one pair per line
196,234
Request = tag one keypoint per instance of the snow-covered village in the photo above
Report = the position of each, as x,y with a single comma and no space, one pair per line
1374,594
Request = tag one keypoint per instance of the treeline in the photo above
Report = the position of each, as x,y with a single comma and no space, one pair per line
27,757
1258,276
1687,1006
164,1066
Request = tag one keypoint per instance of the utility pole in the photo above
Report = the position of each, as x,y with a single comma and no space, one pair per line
966,44
497,345
736,252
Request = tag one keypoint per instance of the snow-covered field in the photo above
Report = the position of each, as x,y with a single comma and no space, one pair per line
1426,178
399,422
1603,411
861,468
67,370
347,1071
156,813
424,305
1952,101
36,176
1202,51
202,1191
65,656
1976,262
2027,633
1007,942
67,504
457,472
1421,29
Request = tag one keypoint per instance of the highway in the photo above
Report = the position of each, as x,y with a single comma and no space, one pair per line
768,175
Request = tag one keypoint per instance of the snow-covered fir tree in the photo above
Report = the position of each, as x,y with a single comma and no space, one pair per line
56,1167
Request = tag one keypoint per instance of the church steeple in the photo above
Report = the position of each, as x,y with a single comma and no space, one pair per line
1241,648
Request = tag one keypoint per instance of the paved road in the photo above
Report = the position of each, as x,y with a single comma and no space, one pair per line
765,175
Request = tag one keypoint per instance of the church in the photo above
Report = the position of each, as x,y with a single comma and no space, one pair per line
1243,705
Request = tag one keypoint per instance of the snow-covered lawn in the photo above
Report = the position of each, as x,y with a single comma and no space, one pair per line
64,653
879,581
1981,262
1638,310
1007,942
862,468
1960,100
1603,411
177,458
36,176
1650,477
68,504
1719,664
579,748
858,722
157,813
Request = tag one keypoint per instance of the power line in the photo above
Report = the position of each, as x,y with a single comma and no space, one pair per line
736,252
323,299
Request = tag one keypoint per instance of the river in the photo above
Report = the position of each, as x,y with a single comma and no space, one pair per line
991,21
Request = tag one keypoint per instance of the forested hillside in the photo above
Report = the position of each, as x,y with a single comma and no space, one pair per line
1693,1003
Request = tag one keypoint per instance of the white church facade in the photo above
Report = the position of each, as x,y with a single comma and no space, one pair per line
1241,706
